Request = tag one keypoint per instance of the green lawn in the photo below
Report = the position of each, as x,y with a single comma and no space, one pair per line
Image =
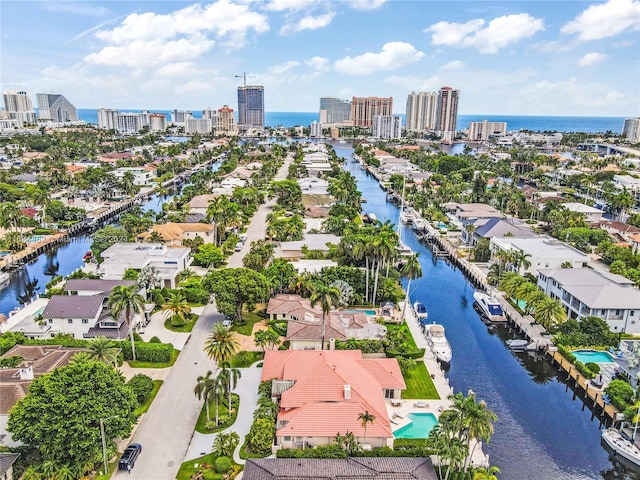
246,358
188,469
145,406
248,320
222,410
410,341
138,364
419,384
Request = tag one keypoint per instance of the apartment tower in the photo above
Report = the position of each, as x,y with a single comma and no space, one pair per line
157,122
480,131
631,130
363,109
19,108
226,122
108,118
251,106
334,111
421,111
447,113
56,108
387,126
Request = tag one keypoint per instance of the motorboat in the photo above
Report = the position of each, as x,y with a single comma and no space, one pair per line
621,445
517,344
420,310
5,279
490,307
438,342
408,216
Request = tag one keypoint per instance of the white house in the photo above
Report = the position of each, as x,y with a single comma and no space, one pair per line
586,292
313,186
141,175
169,261
591,214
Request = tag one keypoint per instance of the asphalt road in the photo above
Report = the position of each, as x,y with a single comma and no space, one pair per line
166,429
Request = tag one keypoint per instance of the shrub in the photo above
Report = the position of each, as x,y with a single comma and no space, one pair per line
223,464
210,425
261,435
321,451
594,367
9,339
155,339
196,295
142,387
148,352
158,299
11,362
137,337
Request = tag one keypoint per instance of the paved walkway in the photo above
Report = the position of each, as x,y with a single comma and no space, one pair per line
247,388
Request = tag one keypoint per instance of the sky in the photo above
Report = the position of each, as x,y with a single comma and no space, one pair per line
536,57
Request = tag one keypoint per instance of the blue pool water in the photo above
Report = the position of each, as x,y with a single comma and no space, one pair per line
592,356
368,312
420,426
4,253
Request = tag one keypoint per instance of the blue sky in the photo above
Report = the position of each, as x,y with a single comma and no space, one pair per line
506,57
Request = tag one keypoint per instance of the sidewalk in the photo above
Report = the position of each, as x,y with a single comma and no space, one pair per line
247,389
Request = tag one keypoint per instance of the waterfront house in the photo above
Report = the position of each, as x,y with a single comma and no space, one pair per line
312,241
543,252
169,261
360,468
37,360
313,186
142,176
490,227
587,292
591,214
322,393
466,211
174,234
94,286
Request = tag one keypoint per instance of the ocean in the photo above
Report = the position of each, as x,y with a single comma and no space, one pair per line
514,122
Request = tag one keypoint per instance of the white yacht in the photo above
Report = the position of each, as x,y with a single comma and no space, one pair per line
621,446
4,279
420,310
490,307
438,343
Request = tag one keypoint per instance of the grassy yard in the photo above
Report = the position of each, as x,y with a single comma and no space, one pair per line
145,406
419,384
249,320
405,329
189,469
138,364
245,359
222,411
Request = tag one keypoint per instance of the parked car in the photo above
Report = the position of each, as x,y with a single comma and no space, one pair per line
243,237
129,456
228,321
238,246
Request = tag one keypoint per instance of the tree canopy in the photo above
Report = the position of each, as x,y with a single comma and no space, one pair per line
235,287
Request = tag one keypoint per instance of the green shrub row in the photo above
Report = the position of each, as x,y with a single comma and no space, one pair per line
194,294
321,451
587,371
415,354
147,352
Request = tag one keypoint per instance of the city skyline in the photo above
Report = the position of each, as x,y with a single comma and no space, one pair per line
505,58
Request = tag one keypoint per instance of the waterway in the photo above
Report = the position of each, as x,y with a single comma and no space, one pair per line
543,431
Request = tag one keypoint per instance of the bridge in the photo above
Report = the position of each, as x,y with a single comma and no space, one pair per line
608,149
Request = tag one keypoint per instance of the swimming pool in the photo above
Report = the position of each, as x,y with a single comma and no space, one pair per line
420,426
368,312
35,239
592,356
4,253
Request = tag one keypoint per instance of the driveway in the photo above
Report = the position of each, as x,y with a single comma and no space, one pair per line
165,431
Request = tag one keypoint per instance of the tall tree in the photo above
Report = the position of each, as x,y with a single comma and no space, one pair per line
209,387
222,344
411,269
176,308
366,418
549,312
236,287
229,377
126,300
103,350
328,297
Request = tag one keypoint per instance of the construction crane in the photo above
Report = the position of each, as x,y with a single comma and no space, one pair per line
244,78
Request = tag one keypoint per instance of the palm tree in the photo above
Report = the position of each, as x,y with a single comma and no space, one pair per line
548,312
366,418
229,376
149,278
526,292
410,269
209,388
486,474
126,300
510,283
103,350
177,308
224,444
327,297
222,344
520,259
494,274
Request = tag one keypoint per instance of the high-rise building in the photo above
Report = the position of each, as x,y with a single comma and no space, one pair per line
251,106
387,126
180,116
108,118
19,108
480,131
129,123
198,125
421,111
209,113
56,108
157,122
363,109
315,129
631,130
334,111
226,121
447,113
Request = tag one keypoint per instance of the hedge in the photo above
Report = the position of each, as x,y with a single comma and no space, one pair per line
148,352
415,354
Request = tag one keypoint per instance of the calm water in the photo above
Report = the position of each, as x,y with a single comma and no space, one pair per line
542,432
514,122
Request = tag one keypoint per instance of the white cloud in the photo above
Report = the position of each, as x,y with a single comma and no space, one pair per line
318,63
280,5
604,20
366,4
178,70
453,65
84,9
283,68
499,33
309,23
393,56
592,58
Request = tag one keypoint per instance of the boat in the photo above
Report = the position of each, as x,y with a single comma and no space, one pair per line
621,446
438,342
87,256
517,344
490,307
420,310
5,278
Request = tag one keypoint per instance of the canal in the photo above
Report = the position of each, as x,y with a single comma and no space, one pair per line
543,431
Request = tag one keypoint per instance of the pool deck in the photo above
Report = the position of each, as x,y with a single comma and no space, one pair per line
399,413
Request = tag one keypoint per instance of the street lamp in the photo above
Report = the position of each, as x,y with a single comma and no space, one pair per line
104,441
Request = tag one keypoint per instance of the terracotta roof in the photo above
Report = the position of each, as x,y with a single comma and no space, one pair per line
175,231
316,406
293,305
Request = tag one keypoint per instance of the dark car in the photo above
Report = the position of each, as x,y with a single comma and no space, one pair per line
129,456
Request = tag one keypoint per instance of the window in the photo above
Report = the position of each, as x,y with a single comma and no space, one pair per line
287,439
70,320
51,320
85,321
170,263
632,313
